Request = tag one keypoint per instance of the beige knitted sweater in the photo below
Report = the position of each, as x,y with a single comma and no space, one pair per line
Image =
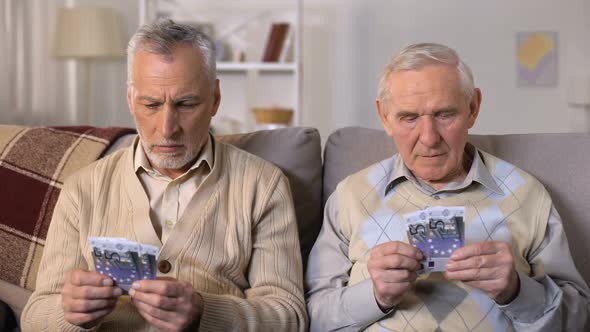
236,243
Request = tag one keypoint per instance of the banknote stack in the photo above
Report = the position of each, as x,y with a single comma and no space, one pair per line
124,261
437,231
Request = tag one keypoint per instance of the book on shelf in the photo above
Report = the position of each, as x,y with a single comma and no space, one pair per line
287,51
275,42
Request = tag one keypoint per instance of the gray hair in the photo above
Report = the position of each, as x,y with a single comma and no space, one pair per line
163,36
418,56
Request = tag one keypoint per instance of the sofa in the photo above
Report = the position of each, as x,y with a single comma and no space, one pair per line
557,160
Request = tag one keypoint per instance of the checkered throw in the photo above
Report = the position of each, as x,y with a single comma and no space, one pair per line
33,165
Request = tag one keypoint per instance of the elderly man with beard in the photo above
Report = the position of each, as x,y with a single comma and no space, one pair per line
224,219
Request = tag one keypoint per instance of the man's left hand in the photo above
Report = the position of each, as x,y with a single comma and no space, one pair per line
488,266
167,304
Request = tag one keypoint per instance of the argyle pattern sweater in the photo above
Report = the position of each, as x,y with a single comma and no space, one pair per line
364,212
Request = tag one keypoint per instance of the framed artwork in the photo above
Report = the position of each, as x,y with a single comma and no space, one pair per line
536,58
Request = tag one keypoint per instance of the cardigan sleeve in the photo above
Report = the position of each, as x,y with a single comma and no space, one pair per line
62,253
274,301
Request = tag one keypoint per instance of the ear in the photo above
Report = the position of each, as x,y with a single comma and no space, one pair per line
384,116
474,106
217,97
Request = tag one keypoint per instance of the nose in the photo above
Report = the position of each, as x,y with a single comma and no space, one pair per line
429,134
169,124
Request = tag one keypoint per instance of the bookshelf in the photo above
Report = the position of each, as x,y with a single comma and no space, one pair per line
250,82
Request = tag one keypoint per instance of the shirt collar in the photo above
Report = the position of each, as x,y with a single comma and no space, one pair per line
478,172
142,163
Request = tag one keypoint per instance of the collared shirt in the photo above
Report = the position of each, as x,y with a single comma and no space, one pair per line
361,214
477,173
170,197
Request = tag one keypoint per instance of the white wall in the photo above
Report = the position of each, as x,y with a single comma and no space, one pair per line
347,43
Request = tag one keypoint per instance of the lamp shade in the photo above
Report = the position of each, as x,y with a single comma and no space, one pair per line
578,90
88,33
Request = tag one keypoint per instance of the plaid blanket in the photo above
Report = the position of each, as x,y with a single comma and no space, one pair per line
33,165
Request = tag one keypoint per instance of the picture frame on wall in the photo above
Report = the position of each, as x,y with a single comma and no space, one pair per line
537,59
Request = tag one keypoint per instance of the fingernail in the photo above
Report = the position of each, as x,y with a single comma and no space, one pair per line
131,292
420,255
117,292
135,285
107,282
454,256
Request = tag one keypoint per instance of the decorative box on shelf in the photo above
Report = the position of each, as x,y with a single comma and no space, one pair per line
272,117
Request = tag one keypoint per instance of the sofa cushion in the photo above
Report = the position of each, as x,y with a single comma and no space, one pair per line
33,165
557,160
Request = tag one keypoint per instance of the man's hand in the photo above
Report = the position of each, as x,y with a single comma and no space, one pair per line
488,266
393,267
167,304
87,296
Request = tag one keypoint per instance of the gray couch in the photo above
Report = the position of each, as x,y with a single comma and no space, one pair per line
558,160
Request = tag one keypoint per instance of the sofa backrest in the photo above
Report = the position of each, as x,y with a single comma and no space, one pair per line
560,161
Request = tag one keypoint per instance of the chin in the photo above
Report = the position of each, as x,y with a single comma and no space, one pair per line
431,176
169,162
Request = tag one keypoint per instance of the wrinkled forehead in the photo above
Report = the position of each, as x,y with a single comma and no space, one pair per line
432,83
184,61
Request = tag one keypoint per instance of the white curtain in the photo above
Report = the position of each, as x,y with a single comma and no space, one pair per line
35,88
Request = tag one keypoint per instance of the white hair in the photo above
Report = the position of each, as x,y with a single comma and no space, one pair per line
163,36
418,56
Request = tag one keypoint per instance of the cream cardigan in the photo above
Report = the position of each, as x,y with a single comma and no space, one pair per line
236,243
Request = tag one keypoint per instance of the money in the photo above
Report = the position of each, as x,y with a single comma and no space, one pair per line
436,231
123,261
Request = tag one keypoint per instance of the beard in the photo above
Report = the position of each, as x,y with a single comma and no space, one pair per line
170,160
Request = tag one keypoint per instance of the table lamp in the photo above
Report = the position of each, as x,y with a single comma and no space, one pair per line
88,34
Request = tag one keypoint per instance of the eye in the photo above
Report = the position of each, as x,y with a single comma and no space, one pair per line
187,106
409,118
152,106
445,115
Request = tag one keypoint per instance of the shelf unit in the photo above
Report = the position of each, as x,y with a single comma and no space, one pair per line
249,84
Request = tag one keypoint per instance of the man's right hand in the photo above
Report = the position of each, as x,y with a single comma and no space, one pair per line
87,296
393,267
